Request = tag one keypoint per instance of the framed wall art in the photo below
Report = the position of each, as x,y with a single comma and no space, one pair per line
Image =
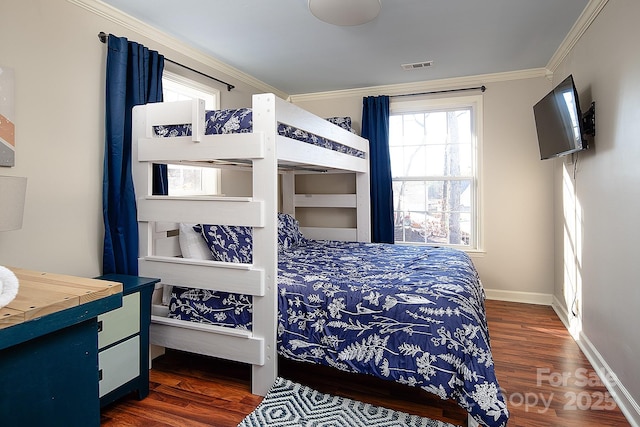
7,117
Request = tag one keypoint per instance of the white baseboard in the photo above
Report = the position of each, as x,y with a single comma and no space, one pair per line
516,296
627,404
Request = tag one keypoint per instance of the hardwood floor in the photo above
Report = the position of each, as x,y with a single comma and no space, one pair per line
546,379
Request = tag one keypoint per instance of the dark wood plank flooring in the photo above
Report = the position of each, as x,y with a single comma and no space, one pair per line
546,380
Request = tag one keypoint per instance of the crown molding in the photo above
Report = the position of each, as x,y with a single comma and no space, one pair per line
424,86
116,16
588,15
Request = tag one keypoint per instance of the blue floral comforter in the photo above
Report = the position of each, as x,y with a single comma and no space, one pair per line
409,314
240,120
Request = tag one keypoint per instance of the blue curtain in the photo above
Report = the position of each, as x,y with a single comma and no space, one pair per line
375,128
134,77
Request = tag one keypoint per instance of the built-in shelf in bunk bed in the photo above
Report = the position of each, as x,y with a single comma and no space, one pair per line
434,293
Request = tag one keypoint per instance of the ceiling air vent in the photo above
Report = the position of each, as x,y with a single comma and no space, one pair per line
416,65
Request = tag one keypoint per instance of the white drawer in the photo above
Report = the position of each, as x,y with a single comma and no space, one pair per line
120,323
119,364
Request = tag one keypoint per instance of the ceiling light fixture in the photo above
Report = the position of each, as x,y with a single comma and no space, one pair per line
345,12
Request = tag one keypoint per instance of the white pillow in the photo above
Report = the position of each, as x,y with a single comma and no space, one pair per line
192,244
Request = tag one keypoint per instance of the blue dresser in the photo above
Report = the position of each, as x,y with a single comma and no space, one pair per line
48,349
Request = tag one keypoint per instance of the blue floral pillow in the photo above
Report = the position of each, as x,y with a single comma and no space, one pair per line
288,232
228,243
343,122
231,243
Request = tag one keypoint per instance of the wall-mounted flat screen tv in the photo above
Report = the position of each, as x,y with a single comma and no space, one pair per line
559,121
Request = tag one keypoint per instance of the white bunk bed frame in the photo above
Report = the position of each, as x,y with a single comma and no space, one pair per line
271,155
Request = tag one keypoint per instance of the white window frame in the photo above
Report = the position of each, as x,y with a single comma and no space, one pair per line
399,106
190,89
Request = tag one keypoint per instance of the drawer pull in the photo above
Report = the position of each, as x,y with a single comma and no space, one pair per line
99,326
99,374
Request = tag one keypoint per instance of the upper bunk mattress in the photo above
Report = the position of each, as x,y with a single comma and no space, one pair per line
241,121
410,314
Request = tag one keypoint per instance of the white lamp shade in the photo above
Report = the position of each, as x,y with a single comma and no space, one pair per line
345,12
12,194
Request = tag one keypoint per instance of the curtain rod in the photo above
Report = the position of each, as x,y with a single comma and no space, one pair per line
480,88
102,36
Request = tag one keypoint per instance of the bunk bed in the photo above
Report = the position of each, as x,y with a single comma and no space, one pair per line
453,360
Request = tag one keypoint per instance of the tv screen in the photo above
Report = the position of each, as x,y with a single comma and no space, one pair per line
559,121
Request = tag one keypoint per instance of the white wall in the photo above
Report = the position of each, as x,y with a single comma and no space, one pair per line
59,64
517,205
604,255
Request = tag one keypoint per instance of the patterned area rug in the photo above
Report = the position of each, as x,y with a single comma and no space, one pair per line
292,404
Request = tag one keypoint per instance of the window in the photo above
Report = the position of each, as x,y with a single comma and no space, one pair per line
178,88
434,147
190,180
185,180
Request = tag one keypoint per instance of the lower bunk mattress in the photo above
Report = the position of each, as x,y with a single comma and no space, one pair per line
409,314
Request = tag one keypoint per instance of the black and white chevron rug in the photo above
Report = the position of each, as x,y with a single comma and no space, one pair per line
291,404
